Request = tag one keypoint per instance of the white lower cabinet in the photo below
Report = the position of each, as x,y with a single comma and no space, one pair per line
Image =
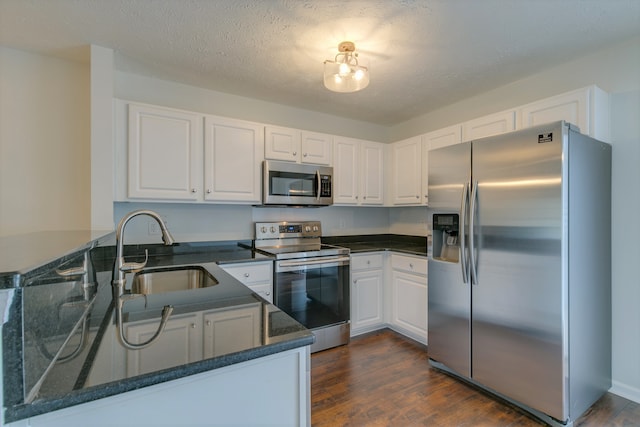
389,289
228,331
367,281
409,296
180,343
258,276
276,387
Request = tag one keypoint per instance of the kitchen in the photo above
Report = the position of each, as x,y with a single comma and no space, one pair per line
74,203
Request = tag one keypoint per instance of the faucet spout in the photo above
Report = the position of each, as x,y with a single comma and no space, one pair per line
120,269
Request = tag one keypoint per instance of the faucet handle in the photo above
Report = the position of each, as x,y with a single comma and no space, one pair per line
135,266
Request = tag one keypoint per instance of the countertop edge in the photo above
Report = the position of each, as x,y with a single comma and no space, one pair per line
102,391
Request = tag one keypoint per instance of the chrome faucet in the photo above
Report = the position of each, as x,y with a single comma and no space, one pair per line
121,268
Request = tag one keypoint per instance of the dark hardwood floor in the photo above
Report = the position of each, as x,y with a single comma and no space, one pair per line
384,379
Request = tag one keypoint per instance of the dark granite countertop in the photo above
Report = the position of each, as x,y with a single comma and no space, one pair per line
414,245
53,318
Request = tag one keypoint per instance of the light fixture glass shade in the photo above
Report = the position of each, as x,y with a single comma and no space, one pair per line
344,74
341,78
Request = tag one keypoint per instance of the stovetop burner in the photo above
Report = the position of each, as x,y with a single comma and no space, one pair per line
286,240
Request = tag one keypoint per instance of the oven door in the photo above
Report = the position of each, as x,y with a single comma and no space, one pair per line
314,291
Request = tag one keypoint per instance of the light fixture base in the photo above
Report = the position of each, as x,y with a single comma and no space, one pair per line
346,47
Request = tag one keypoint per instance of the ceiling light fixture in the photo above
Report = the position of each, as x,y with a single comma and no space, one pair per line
344,74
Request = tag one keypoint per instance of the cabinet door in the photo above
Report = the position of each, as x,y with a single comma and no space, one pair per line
233,154
282,144
316,148
494,124
164,153
372,173
409,303
258,276
228,331
587,108
179,343
346,171
407,171
366,305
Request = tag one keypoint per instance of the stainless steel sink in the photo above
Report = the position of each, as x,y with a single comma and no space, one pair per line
172,279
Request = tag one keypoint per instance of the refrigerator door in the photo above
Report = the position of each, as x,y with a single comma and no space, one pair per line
519,320
448,295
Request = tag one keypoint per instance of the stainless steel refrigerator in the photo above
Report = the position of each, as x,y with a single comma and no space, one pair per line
520,267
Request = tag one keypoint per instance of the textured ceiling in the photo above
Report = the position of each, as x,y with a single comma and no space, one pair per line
423,54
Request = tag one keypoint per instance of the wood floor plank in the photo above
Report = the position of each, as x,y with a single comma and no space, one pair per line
384,379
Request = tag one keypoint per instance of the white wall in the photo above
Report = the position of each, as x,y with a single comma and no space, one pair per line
614,70
617,71
44,143
203,222
138,88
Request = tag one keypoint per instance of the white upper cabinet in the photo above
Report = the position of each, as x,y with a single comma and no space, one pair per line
371,173
358,171
587,108
233,154
282,144
346,171
316,148
494,124
407,171
165,148
173,156
298,146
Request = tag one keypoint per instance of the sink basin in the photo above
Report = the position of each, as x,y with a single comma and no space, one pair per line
172,279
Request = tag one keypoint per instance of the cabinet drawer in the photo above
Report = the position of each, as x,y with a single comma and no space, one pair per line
409,264
249,272
366,261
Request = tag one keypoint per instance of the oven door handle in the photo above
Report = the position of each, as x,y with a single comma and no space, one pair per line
313,261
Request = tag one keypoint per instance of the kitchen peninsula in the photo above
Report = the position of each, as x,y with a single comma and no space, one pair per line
64,365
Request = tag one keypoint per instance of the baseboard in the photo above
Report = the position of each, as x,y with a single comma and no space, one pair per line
626,391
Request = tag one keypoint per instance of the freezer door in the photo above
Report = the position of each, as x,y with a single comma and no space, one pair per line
449,297
518,320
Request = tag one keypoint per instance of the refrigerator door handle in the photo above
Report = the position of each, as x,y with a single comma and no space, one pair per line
472,242
464,206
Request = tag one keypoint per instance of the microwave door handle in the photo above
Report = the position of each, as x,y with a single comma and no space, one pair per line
318,185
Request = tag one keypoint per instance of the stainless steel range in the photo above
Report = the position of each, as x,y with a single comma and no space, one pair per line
311,280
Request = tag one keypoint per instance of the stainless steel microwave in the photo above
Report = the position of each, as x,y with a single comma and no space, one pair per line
294,184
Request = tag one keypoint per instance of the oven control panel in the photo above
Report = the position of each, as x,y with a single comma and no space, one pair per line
285,229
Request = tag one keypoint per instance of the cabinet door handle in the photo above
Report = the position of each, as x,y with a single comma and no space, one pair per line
193,190
208,191
304,155
246,274
193,326
208,322
411,266
295,153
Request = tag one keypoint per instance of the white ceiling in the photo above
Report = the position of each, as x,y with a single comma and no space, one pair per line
423,54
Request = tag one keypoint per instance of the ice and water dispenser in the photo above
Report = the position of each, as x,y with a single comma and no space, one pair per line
446,242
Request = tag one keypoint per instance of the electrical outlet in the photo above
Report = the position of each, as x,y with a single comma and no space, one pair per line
154,228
